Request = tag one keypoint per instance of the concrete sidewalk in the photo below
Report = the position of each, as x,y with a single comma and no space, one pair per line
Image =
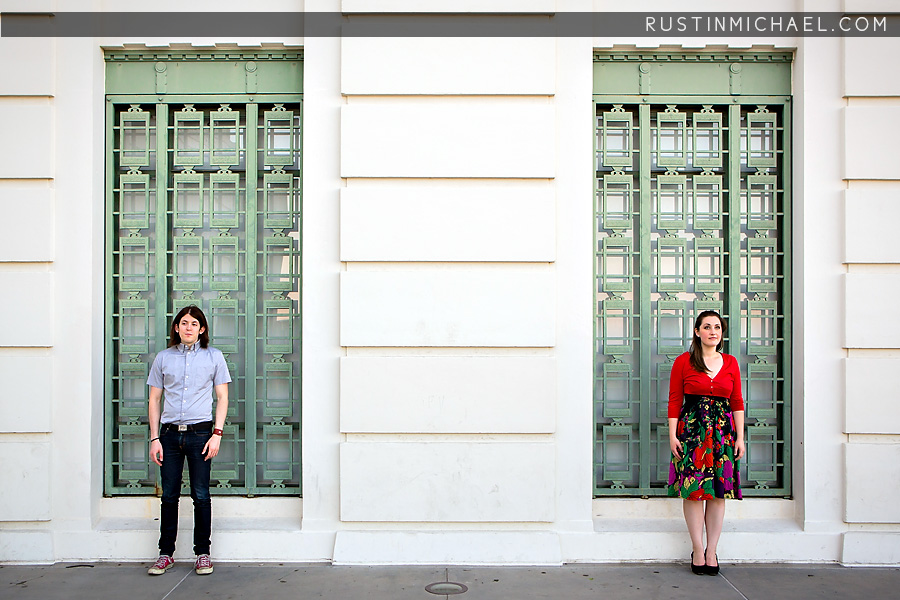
102,581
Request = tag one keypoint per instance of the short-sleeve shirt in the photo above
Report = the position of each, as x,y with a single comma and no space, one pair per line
685,379
187,376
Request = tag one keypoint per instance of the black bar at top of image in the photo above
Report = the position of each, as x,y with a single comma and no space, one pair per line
562,24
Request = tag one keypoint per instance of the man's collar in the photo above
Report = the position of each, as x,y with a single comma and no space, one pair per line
185,348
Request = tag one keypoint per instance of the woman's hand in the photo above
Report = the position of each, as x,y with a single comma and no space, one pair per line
739,448
675,445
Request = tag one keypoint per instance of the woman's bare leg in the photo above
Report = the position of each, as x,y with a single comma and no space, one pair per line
694,517
715,516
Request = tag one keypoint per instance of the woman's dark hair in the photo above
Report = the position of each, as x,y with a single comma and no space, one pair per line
194,311
697,348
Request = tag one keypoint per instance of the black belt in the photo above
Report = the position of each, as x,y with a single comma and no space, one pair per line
691,399
699,397
204,426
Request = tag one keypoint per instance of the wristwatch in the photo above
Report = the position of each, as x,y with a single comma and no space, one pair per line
218,432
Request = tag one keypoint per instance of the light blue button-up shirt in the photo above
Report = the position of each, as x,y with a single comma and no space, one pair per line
187,376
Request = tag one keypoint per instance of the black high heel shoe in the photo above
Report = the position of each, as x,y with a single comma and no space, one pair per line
697,569
709,569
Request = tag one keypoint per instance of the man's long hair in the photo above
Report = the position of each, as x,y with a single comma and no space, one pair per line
194,311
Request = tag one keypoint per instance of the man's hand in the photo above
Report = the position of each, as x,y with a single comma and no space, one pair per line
156,452
211,448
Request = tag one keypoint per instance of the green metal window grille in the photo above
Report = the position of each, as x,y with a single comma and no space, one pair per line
203,205
692,212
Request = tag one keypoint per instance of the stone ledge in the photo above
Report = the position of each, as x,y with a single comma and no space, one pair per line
447,548
871,548
230,524
734,525
674,546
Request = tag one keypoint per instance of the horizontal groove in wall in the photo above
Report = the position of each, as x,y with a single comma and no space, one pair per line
874,353
460,182
30,526
854,101
32,351
461,438
448,266
34,99
442,526
467,351
374,100
25,267
41,182
873,438
874,268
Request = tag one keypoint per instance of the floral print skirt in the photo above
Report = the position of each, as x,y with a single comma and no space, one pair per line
707,468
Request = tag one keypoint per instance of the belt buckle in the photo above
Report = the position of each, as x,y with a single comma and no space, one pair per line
182,428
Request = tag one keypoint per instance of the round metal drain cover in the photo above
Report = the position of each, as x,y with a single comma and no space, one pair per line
446,588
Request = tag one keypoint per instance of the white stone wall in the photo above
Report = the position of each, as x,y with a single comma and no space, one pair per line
27,298
871,335
424,123
448,291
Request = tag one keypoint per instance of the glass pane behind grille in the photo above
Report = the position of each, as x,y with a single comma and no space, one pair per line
690,215
200,213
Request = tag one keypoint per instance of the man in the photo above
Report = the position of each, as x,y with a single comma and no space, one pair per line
182,428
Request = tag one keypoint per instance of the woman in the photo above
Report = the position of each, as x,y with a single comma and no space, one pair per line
706,435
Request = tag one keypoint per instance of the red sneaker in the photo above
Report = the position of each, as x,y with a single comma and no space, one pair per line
162,564
203,566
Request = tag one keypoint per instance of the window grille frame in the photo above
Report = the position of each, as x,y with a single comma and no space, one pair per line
714,73
229,79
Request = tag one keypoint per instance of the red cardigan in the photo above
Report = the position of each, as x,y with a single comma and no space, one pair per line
687,380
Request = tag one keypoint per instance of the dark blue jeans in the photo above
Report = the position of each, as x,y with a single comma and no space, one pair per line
178,446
